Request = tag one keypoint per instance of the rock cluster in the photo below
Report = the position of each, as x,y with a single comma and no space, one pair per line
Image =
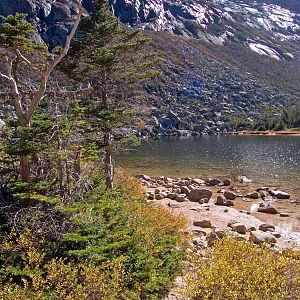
182,189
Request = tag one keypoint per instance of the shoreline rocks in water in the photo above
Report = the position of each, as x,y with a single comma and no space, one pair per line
203,200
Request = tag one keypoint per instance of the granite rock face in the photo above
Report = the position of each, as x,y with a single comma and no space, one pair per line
259,25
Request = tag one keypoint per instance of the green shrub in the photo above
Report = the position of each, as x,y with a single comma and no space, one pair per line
111,246
119,224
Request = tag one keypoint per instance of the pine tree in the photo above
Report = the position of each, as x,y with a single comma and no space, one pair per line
113,60
25,70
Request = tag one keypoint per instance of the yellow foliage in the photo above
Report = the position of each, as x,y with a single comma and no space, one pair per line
131,186
238,270
151,223
55,279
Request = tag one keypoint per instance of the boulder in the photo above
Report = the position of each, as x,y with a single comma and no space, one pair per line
185,190
280,194
212,238
244,179
239,228
267,227
229,195
226,182
197,181
203,224
222,201
214,182
254,195
172,196
269,209
259,237
197,194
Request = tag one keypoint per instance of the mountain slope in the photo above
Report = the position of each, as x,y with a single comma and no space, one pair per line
223,60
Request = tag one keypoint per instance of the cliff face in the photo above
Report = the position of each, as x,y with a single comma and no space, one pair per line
262,26
53,17
223,59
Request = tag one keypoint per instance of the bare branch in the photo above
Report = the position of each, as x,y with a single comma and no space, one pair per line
16,97
40,94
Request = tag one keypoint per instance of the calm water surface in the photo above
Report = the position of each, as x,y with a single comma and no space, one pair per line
268,160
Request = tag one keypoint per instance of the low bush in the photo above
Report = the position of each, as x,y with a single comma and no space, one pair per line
239,270
111,246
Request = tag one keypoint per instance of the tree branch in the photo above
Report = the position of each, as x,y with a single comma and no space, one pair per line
16,97
49,69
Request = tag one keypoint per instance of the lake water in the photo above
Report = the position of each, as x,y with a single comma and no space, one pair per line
269,160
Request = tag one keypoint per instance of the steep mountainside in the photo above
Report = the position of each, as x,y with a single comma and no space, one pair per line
223,59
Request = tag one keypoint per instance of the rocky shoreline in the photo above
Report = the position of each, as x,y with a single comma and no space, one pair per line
214,208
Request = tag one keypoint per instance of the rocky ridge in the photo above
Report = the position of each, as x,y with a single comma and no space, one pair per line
224,61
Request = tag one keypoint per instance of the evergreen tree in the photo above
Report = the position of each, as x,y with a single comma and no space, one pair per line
113,60
25,70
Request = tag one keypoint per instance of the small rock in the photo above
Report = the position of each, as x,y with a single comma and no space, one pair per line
269,209
220,233
259,237
284,215
239,228
214,182
232,222
199,243
151,197
203,224
280,194
229,195
181,198
173,205
144,177
267,227
236,235
172,196
212,238
197,181
244,179
276,234
221,201
254,195
226,182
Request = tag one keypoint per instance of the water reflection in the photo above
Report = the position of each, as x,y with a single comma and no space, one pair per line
269,160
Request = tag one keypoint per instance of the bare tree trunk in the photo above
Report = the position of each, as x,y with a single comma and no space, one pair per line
77,164
107,139
24,159
108,162
25,167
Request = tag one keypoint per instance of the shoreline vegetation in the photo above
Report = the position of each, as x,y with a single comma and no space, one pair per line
292,132
72,228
